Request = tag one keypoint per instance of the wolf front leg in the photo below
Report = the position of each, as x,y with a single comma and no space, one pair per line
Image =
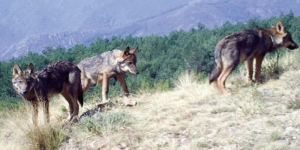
123,83
105,88
35,105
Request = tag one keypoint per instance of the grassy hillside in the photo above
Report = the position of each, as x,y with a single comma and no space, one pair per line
192,115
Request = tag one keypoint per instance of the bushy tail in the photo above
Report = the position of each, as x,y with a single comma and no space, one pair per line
80,96
79,86
217,67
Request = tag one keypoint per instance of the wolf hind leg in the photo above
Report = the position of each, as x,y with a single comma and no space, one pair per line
73,94
73,105
227,69
74,108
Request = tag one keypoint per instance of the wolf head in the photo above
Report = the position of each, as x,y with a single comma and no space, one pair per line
127,60
23,81
282,38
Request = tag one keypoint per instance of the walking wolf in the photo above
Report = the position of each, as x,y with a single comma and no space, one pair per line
59,78
246,46
109,64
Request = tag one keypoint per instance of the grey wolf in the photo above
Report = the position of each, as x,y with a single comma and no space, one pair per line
58,78
246,46
101,67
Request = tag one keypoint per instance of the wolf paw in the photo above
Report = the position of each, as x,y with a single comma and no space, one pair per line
104,102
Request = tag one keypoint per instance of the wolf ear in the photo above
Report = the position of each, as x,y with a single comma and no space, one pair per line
16,70
30,69
280,27
134,51
125,51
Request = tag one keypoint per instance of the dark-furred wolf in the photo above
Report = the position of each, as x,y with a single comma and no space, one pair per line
100,68
246,46
59,78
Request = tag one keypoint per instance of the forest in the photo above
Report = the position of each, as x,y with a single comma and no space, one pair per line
160,59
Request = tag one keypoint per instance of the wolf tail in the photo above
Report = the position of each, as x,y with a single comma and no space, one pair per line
217,66
80,96
79,89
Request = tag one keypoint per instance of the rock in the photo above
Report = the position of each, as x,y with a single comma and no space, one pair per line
128,102
291,133
98,144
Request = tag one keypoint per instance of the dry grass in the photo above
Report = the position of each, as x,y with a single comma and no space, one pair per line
195,116
191,116
19,132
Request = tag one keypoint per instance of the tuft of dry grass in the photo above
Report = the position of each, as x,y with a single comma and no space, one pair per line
19,132
47,136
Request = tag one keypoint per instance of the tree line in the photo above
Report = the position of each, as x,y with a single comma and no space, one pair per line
160,58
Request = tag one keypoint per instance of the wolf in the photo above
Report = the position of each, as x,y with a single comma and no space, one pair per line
61,77
248,45
101,67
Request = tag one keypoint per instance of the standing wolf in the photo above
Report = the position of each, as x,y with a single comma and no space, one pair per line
60,77
109,64
246,46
